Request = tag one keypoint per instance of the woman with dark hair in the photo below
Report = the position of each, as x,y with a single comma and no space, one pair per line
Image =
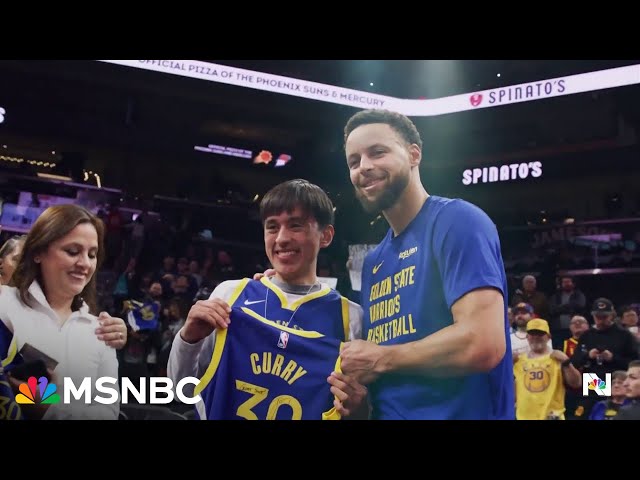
50,308
9,256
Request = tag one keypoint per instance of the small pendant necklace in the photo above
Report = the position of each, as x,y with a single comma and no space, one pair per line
266,298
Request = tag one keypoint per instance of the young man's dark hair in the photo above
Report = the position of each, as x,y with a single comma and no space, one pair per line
286,196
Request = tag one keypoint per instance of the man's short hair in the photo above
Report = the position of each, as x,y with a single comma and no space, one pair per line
619,375
400,123
634,364
578,318
287,196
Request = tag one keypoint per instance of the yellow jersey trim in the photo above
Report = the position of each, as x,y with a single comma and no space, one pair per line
221,337
345,317
333,414
11,354
283,298
300,333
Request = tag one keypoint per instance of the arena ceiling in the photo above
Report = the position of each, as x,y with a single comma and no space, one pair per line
130,114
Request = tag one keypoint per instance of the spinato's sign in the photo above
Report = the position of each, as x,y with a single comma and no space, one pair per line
503,173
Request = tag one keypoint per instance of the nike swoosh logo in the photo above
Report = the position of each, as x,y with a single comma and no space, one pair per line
377,267
247,302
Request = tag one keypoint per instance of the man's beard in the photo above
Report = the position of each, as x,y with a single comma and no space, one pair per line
388,197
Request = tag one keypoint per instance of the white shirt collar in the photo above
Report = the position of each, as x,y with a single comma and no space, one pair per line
36,292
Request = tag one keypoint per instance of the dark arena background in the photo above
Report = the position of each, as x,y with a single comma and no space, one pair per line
175,156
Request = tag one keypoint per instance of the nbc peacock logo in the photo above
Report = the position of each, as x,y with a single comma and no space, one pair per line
32,387
592,383
597,384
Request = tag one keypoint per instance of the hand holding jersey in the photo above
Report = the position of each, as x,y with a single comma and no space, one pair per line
207,316
361,359
204,317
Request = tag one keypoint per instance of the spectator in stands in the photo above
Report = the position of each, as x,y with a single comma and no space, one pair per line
523,312
144,285
540,376
632,387
602,349
136,238
144,319
155,291
564,304
50,305
194,271
578,326
126,285
183,266
168,267
533,297
183,289
183,269
608,409
225,265
174,319
9,256
629,321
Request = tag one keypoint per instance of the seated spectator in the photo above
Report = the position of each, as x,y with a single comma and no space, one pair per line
608,409
629,321
632,387
9,257
563,305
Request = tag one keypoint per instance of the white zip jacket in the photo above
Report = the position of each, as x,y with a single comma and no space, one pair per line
73,344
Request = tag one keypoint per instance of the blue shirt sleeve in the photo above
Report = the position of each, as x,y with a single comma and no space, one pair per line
467,250
597,412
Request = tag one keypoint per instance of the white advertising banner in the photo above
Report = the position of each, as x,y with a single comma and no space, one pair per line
525,92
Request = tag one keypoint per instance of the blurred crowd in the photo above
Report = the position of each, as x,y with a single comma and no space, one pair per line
152,276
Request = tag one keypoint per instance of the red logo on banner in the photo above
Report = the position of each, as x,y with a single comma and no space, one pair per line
476,99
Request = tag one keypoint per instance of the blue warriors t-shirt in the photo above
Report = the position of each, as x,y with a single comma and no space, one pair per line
260,370
409,284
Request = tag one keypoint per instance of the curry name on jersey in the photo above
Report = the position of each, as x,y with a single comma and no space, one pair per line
260,370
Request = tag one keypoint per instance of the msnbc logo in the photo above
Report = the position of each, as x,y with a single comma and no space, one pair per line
29,392
591,381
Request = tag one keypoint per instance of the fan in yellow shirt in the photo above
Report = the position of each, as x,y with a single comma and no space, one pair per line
539,376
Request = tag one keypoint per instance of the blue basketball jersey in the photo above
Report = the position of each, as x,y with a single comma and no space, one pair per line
325,311
9,409
409,283
6,337
260,370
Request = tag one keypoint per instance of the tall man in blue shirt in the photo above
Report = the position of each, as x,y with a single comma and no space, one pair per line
434,292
